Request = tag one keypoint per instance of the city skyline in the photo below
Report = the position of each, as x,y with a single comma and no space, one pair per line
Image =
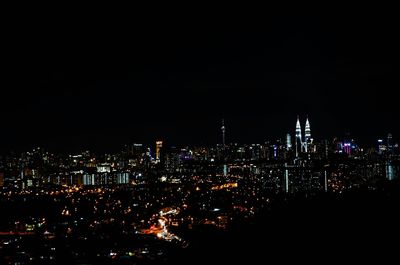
141,141
218,139
301,154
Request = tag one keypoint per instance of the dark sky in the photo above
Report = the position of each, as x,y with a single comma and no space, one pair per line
76,85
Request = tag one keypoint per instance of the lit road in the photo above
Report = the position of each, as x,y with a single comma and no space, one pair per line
161,229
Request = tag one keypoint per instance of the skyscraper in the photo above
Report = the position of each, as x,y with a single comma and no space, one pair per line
300,145
307,140
288,142
298,142
225,167
347,148
223,133
158,150
346,145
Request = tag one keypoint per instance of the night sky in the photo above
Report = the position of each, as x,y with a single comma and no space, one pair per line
71,86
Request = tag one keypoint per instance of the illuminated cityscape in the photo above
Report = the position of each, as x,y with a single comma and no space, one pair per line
140,206
263,139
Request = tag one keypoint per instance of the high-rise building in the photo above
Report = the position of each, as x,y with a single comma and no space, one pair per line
223,133
308,130
390,143
158,151
347,148
381,147
88,179
172,159
307,140
225,167
390,174
288,142
123,178
137,150
298,142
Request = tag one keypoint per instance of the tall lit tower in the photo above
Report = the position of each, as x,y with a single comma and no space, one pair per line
308,130
223,133
298,136
158,150
307,135
288,142
225,167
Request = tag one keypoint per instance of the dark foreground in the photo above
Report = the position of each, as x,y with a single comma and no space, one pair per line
359,226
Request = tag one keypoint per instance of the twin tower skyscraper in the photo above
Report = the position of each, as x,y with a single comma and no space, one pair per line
302,145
